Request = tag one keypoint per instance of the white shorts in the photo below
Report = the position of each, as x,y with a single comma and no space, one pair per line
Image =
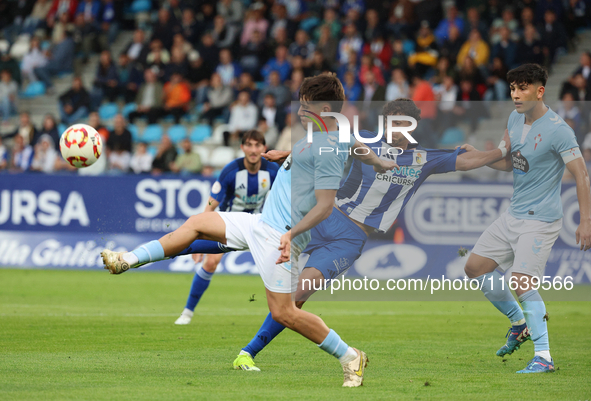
518,245
247,231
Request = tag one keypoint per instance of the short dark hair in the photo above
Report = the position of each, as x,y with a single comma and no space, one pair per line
402,106
254,135
528,74
324,88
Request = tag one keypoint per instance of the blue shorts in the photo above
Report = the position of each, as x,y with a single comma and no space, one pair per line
336,243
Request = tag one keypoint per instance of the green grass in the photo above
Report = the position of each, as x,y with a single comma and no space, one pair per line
89,335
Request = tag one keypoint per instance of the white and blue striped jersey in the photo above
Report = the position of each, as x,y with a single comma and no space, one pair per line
539,153
238,190
376,199
289,201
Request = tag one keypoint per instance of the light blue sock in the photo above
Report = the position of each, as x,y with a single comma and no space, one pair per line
200,283
334,345
151,252
500,296
268,331
535,310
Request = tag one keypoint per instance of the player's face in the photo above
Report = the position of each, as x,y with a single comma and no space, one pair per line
525,96
397,138
315,108
253,150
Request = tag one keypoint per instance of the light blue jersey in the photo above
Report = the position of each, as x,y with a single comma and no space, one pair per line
539,155
288,202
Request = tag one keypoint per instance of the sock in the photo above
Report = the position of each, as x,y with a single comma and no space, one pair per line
349,356
500,297
187,312
150,252
545,355
200,283
333,345
205,246
534,311
268,331
519,322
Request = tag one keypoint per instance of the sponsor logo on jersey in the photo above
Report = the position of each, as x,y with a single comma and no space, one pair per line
403,175
520,164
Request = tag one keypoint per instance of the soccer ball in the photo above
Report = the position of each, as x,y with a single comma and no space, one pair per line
81,145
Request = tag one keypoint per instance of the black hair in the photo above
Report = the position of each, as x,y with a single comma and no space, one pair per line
402,106
528,74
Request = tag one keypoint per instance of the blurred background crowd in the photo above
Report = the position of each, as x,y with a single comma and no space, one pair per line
171,85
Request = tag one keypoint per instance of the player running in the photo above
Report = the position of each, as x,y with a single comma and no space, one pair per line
288,214
241,187
520,240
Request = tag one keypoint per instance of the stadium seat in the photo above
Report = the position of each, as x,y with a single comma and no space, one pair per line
177,133
139,6
61,127
152,133
135,133
34,89
217,138
204,153
452,136
4,46
128,108
108,111
20,47
152,150
221,156
200,133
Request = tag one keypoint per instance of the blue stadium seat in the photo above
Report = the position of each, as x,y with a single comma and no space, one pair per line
108,111
152,150
452,136
141,5
34,89
135,133
200,133
177,133
152,133
61,127
128,108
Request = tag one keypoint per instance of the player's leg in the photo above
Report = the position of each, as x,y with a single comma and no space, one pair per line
209,226
492,250
200,284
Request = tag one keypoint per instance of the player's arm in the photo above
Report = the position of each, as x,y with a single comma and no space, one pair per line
321,211
578,170
212,204
500,160
366,155
277,156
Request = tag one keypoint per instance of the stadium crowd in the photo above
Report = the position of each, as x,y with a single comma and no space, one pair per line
240,63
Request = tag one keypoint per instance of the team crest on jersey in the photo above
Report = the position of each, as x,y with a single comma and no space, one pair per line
264,183
537,139
520,163
420,158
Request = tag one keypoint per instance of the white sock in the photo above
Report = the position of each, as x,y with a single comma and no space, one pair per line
519,322
130,258
544,354
349,356
187,312
243,352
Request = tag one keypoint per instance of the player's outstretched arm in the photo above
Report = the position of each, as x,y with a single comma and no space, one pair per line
277,156
578,169
475,158
368,156
506,163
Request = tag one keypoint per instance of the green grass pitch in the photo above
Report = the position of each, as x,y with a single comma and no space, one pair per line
89,335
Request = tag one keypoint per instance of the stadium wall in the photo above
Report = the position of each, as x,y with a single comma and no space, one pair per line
46,223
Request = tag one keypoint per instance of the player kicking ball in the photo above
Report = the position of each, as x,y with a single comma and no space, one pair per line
242,187
520,240
289,213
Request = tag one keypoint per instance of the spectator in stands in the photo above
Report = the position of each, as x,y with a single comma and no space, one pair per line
373,27
278,64
426,51
280,21
175,9
452,44
351,41
505,48
7,62
297,77
578,14
284,141
8,95
75,103
476,48
165,156
208,50
198,76
469,71
581,88
106,81
3,156
67,8
177,95
302,46
137,49
399,57
20,10
401,17
119,145
109,24
254,21
227,69
178,64
442,70
243,117
247,84
188,162
281,93
398,86
225,35
497,87
141,161
149,98
568,110
49,128
189,26
253,54
271,134
584,65
61,60
372,90
231,10
34,58
219,97
328,46
422,93
158,55
529,49
22,155
352,87
446,95
44,156
508,22
380,50
37,18
367,64
351,66
94,121
452,19
179,42
26,129
273,115
468,104
318,64
130,78
331,22
164,29
553,36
